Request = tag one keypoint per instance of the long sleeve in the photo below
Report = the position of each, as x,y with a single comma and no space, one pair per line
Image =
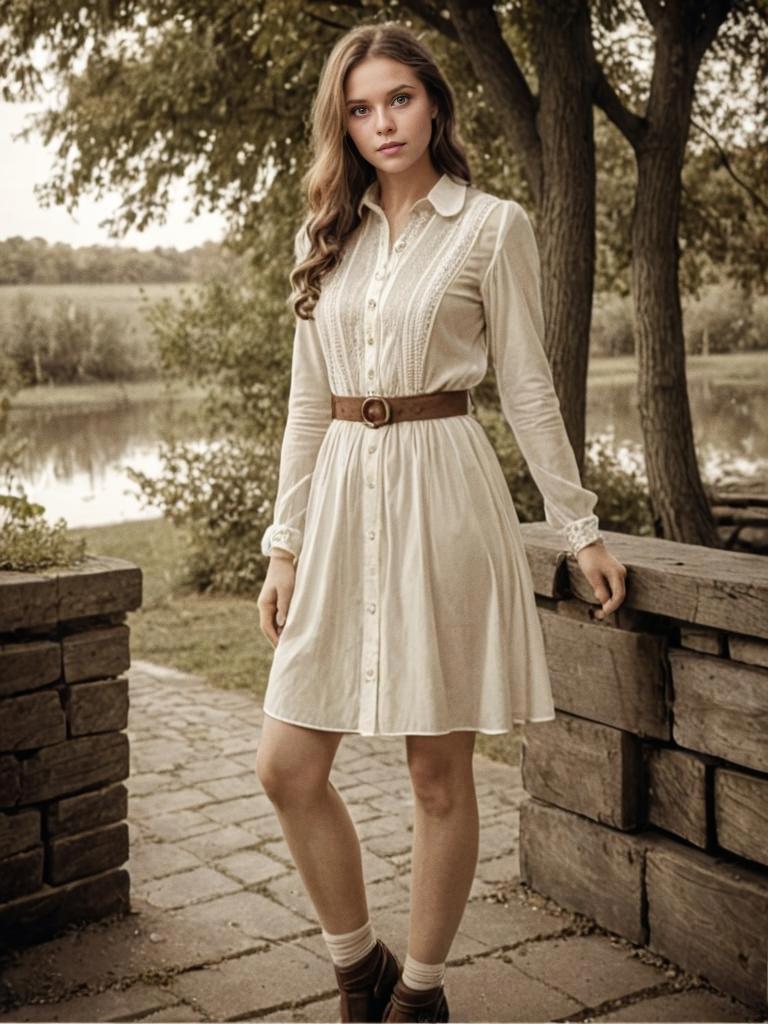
511,292
309,415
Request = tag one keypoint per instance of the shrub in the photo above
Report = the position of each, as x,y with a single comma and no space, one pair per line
619,483
234,337
27,541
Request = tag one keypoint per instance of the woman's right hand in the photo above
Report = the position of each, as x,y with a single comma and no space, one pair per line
275,596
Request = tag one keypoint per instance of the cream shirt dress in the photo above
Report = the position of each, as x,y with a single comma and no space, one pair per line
413,609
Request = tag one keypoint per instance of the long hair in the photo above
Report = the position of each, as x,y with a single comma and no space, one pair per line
338,175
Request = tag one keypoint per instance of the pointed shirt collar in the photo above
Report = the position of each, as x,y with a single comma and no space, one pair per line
446,195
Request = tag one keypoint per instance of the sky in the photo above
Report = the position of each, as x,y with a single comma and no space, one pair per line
26,164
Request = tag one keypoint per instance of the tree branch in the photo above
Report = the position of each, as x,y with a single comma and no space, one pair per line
503,82
715,12
653,11
756,199
631,125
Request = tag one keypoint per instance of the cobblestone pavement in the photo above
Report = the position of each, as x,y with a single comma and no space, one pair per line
220,927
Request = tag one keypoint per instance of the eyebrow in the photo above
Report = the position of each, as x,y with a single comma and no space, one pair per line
398,88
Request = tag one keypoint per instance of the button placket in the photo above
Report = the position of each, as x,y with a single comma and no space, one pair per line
370,665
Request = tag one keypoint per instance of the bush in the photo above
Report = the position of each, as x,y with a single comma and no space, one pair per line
622,490
27,541
234,337
70,344
612,332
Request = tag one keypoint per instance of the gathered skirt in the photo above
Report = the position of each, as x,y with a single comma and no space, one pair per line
413,609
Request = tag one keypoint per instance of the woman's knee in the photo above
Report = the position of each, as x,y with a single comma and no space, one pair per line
441,774
293,763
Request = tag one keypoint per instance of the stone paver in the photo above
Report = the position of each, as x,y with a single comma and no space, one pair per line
584,967
221,927
682,1006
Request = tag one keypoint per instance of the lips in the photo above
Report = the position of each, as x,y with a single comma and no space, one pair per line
391,145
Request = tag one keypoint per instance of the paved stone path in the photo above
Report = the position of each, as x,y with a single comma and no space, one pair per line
220,927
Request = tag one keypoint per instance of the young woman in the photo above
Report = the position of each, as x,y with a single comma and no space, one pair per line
398,596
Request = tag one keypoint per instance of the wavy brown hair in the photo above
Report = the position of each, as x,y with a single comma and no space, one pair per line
338,174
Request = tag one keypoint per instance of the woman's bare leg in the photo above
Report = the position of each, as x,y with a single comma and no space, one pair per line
446,834
293,764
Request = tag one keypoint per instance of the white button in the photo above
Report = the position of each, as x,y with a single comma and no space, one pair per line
379,275
370,340
371,391
370,373
399,246
371,534
371,607
371,447
369,673
371,483
372,303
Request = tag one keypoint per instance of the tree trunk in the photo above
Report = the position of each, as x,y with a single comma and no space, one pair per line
680,506
553,137
566,204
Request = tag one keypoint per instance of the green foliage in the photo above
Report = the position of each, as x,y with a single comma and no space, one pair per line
723,319
623,503
70,343
232,337
28,542
35,261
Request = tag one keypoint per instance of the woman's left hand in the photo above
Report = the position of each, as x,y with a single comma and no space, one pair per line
605,574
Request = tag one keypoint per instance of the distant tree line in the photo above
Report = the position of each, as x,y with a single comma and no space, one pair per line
35,261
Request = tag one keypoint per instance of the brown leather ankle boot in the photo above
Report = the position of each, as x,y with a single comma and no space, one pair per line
419,1005
365,986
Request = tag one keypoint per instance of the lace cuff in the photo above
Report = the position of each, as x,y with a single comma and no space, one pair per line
582,532
281,536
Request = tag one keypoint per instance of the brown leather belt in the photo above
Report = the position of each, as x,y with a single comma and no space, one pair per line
375,410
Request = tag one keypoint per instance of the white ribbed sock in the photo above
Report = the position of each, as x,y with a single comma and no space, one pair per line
347,947
422,976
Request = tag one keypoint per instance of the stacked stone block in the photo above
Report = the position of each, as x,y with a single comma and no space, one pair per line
648,806
63,750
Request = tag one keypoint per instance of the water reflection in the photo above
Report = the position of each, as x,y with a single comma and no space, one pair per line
75,456
75,459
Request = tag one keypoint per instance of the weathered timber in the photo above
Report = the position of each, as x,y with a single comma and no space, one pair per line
28,666
19,831
710,916
586,867
679,788
96,653
748,649
699,585
586,767
86,853
705,641
100,586
608,675
720,708
97,707
31,720
741,813
38,915
75,764
88,810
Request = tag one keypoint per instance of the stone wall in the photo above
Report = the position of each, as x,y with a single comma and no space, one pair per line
63,751
648,806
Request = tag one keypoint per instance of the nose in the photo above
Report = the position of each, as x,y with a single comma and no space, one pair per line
384,120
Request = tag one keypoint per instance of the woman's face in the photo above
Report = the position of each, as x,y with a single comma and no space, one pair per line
385,102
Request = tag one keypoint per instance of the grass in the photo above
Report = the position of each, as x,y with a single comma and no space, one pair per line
123,300
213,636
722,367
100,393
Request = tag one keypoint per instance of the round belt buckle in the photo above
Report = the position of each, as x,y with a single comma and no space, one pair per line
387,411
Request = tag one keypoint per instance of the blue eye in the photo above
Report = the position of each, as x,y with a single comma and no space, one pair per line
400,95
